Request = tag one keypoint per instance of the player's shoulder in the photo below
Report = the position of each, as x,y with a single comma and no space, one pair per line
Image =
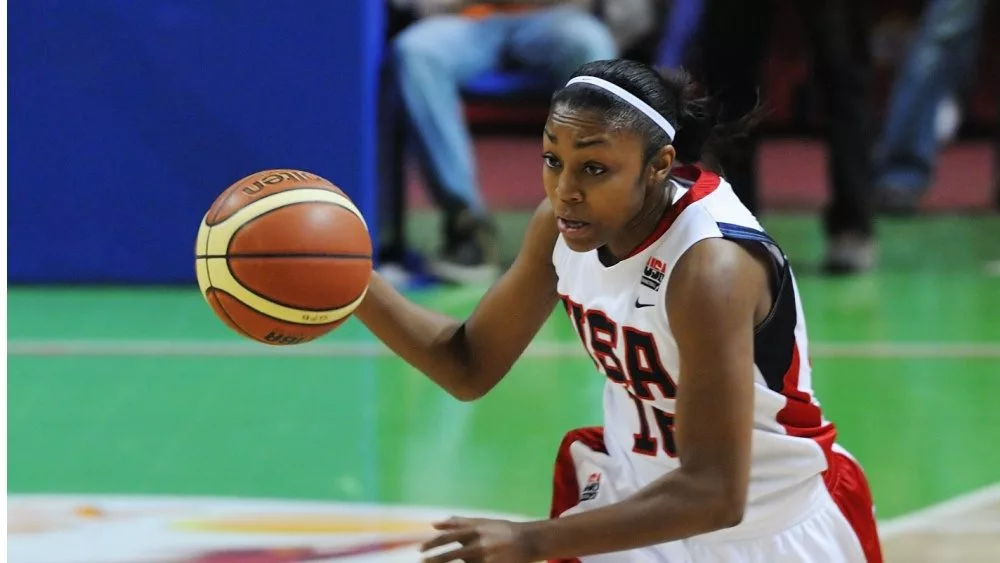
715,262
711,226
709,198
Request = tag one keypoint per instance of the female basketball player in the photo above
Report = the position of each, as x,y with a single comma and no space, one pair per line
712,448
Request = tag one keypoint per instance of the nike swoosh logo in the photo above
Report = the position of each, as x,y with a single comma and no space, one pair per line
641,305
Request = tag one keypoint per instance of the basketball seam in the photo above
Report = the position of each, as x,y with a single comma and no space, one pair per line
210,220
208,242
288,323
222,307
283,304
280,207
262,198
266,255
212,290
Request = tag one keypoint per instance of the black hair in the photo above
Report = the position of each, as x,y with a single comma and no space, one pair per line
700,134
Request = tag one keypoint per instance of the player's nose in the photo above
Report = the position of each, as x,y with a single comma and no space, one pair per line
567,190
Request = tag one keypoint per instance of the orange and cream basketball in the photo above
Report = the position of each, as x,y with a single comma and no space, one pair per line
283,256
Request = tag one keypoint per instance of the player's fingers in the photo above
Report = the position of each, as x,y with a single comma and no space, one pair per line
451,523
469,553
461,536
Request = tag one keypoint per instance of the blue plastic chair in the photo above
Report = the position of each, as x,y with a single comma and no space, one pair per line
505,83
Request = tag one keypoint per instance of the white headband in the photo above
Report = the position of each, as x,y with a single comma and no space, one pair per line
630,98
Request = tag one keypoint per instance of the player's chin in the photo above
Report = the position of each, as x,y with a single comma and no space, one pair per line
582,243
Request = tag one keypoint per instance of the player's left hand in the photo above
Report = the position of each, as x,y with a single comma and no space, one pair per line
483,540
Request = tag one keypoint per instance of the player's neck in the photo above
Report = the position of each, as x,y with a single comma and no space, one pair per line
639,228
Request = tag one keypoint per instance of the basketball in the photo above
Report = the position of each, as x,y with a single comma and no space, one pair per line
283,257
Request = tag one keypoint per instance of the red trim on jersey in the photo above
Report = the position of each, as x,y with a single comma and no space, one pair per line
565,488
687,172
705,183
848,487
799,416
799,412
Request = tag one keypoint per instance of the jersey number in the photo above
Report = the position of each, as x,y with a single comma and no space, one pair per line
641,371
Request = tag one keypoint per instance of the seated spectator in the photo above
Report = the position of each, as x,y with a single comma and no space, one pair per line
451,43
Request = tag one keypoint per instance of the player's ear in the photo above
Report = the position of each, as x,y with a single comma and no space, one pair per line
659,165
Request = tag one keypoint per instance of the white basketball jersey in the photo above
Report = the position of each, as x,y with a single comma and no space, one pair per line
620,314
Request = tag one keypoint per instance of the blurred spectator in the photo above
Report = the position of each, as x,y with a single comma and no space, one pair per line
451,43
681,26
924,109
732,45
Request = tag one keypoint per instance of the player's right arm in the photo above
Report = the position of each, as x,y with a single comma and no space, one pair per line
469,358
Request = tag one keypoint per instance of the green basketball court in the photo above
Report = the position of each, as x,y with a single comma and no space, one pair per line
144,392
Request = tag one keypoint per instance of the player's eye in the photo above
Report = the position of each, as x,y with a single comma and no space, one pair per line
550,161
594,169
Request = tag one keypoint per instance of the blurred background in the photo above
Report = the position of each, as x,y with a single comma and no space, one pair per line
140,428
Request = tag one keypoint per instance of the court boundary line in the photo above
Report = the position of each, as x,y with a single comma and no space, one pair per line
372,348
315,503
929,516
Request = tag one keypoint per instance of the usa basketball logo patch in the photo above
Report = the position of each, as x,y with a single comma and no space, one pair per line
590,491
653,273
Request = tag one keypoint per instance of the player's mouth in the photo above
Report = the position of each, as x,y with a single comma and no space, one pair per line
572,228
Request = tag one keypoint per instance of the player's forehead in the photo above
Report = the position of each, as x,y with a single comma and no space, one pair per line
574,125
571,115
571,129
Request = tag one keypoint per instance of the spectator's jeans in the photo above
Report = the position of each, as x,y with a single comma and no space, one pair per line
433,58
939,61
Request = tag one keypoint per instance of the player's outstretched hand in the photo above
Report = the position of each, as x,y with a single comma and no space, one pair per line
482,540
